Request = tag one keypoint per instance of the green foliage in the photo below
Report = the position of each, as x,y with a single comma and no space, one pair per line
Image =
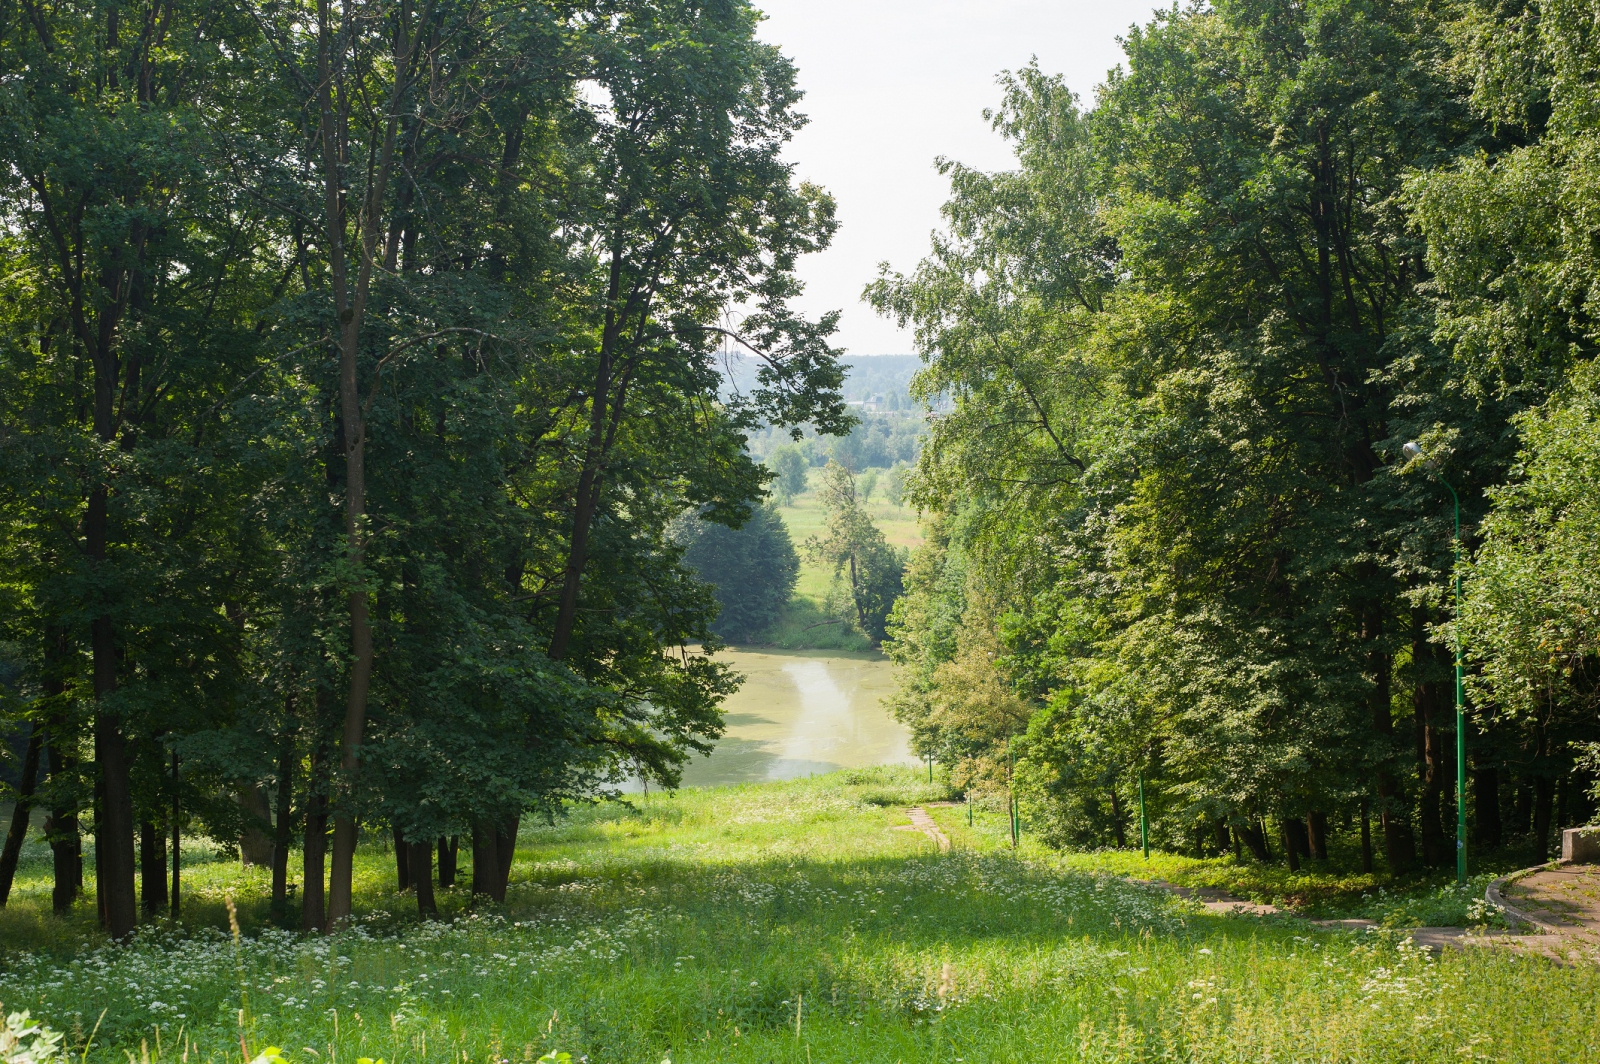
753,568
22,1041
789,467
805,625
353,364
854,548
1529,619
1184,339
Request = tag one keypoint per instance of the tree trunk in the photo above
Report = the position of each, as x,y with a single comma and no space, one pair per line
283,830
1486,802
1366,838
313,913
494,845
177,840
1317,835
1116,820
419,859
1563,800
485,857
506,847
152,869
1238,847
1256,840
447,860
1291,844
1428,705
1223,837
66,844
1399,847
349,307
586,498
114,855
21,814
61,826
255,845
99,862
1543,793
1522,816
402,862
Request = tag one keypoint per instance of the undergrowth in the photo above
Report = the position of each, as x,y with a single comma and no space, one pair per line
796,922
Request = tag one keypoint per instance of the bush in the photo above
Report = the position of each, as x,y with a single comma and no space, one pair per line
753,569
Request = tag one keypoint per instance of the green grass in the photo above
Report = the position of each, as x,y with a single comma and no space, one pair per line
792,922
804,625
1333,891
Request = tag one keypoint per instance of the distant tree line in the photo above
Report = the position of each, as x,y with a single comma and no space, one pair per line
876,441
1186,338
355,361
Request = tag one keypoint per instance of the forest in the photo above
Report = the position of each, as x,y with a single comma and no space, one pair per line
1179,550
355,360
366,436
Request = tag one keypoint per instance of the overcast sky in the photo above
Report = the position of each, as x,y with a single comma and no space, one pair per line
892,84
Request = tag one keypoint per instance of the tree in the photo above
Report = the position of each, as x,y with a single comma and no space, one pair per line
851,544
753,568
464,301
131,315
1184,339
790,466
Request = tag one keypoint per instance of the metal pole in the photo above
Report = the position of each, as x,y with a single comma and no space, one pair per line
1144,825
1011,794
969,809
930,768
1461,715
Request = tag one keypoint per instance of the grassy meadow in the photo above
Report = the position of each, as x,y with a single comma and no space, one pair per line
784,922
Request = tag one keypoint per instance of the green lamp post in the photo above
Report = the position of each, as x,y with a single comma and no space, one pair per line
1413,451
1144,824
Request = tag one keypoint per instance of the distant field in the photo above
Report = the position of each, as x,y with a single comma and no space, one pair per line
805,516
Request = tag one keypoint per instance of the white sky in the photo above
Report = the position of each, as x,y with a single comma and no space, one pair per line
892,84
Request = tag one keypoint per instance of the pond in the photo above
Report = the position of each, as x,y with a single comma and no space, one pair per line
801,712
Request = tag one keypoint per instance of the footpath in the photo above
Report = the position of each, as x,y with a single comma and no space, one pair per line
1559,903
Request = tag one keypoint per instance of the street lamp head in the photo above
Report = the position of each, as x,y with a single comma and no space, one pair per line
1412,450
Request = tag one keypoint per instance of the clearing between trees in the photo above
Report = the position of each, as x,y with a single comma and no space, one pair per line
784,922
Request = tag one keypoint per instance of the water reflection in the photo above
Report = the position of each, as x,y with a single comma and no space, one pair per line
800,712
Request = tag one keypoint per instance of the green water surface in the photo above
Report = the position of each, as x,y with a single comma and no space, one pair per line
800,712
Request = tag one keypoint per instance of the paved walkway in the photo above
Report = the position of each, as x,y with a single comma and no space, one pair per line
1562,902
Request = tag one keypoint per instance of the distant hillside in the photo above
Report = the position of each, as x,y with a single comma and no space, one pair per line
877,387
888,376
885,375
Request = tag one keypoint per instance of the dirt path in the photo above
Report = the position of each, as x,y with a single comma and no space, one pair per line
921,821
1573,891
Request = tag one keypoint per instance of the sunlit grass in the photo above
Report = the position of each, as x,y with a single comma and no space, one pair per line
794,922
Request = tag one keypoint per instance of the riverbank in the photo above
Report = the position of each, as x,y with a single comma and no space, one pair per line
791,922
